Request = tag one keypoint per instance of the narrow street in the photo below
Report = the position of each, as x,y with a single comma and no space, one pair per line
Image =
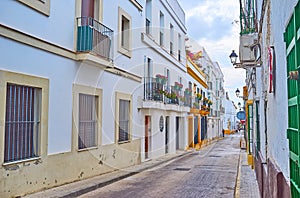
210,172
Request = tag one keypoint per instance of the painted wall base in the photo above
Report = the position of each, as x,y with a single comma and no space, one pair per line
55,170
270,179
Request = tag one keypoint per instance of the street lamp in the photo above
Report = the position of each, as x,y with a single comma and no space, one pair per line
239,105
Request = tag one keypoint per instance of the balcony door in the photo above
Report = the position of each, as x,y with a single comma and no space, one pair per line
92,9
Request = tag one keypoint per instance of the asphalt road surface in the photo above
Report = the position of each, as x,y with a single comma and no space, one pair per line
210,172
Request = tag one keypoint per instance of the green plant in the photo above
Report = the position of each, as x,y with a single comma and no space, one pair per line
196,105
199,96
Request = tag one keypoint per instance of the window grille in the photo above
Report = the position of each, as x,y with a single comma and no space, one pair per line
124,113
88,113
22,122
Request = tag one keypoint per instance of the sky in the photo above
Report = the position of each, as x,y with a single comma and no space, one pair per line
212,24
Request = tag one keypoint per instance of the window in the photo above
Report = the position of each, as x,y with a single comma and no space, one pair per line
123,117
25,117
124,120
88,116
148,16
179,47
22,122
124,33
171,39
162,25
124,45
87,111
42,6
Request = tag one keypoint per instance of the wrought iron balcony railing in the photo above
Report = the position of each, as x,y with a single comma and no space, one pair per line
157,91
92,36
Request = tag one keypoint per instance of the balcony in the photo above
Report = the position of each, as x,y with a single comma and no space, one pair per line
154,90
94,37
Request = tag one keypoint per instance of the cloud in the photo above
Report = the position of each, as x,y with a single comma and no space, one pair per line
211,24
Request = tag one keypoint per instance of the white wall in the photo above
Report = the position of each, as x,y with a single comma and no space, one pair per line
58,28
277,116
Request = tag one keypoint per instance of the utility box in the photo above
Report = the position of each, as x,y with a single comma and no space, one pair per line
247,42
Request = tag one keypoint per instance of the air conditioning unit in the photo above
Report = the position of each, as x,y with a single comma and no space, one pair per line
247,42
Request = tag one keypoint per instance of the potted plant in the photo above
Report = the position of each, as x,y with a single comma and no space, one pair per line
196,105
205,101
161,79
188,91
178,86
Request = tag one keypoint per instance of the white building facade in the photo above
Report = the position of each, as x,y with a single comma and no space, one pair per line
74,88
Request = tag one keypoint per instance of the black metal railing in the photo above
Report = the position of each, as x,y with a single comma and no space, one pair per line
153,90
92,36
157,91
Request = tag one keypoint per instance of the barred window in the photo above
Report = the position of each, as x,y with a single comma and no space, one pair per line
88,114
124,112
22,122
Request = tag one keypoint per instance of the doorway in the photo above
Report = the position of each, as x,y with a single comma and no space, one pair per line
147,136
167,135
177,132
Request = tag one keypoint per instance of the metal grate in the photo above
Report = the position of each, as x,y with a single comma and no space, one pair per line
124,113
182,169
21,122
88,106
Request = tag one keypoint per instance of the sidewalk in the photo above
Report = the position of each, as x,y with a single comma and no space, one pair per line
81,187
247,186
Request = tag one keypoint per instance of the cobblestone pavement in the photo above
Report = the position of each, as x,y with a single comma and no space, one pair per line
210,172
217,170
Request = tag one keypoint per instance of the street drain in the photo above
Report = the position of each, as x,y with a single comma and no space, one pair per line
182,169
214,156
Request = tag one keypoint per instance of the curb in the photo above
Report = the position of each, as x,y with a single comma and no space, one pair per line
238,178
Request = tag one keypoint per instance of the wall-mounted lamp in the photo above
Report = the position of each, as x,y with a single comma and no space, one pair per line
249,62
245,94
239,105
233,56
237,93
